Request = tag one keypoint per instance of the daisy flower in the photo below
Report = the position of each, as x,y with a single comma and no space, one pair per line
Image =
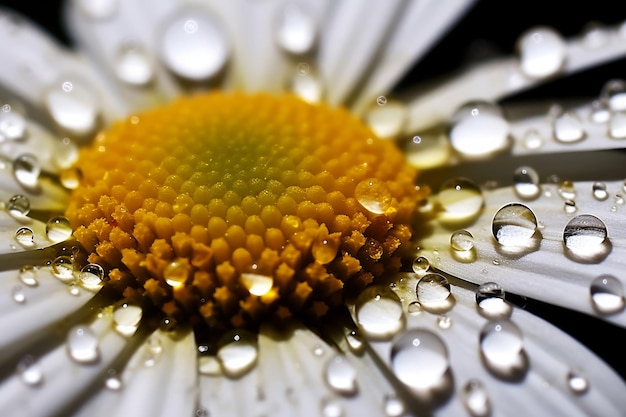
312,207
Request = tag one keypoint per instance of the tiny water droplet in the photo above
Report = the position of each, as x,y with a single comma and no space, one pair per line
379,312
421,265
296,28
82,344
569,207
584,234
567,190
25,236
478,129
318,350
113,381
419,358
65,154
532,139
73,289
461,199
617,125
63,268
381,100
133,65
126,318
491,303
613,93
29,371
394,407
341,375
594,35
462,240
619,199
238,352
18,206
542,52
599,191
331,407
514,225
577,381
414,308
599,112
70,178
373,195
176,273
388,121
58,229
28,275
91,277
324,250
607,294
567,128
26,169
432,290
257,284
17,293
526,183
501,342
475,399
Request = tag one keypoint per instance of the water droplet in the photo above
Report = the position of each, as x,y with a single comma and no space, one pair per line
91,277
238,352
501,342
126,318
444,322
113,380
584,235
569,207
70,178
388,121
433,291
475,399
594,35
577,381
381,100
73,289
25,236
379,312
599,191
532,139
355,340
63,268
176,273
567,190
28,275
462,240
607,294
318,350
419,358
12,124
65,154
307,84
257,284
331,407
567,128
373,195
324,250
491,302
194,45
478,129
619,199
421,265
341,375
296,29
514,225
526,183
542,52
73,106
394,407
58,229
17,293
29,371
209,365
461,200
133,65
82,344
614,94
617,125
18,206
98,9
26,170
599,112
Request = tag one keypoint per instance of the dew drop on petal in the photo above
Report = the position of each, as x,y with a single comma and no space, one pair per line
614,94
379,312
594,35
373,195
526,183
176,273
63,268
238,352
355,341
12,124
532,139
478,129
567,190
113,381
26,169
432,289
25,236
567,128
257,284
491,303
569,207
421,265
387,121
324,250
133,65
30,371
462,240
58,229
17,294
307,84
394,407
126,318
194,45
476,399
70,178
501,342
599,191
73,289
607,294
599,112
414,308
584,234
514,225
98,9
65,154
577,382
18,206
617,125
419,359
381,100
296,28
73,106
28,276
82,344
461,199
91,277
542,52
341,375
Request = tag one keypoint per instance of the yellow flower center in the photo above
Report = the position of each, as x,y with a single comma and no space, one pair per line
226,209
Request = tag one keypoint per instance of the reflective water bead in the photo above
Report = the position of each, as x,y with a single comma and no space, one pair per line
569,207
584,234
331,407
394,407
63,268
18,206
17,294
414,308
532,139
476,399
419,359
526,183
577,382
307,84
373,195
73,289
462,240
126,318
599,111
381,100
257,284
238,352
599,191
491,303
594,35
478,129
614,94
514,225
617,125
194,45
567,190
133,65
324,250
98,9
26,170
607,294
432,290
58,229
461,199
567,128
73,106
421,265
379,312
28,275
296,28
619,199
91,277
355,340
444,322
30,371
66,153
12,124
82,344
501,342
341,375
318,350
113,381
388,121
25,236
70,178
542,52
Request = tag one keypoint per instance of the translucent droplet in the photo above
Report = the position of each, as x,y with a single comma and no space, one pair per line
584,234
63,268
133,65
91,277
514,225
176,273
307,84
331,407
70,178
501,342
98,9
567,128
355,341
617,125
419,359
599,191
577,381
478,129
433,290
490,300
373,195
567,190
341,375
73,106
421,265
238,352
462,240
619,199
25,236
444,322
475,399
126,318
526,183
18,206
379,312
257,284
569,207
614,95
209,365
594,35
460,199
607,294
381,100
73,289
532,139
58,229
296,29
387,121
324,250
542,52
318,350
12,124
17,294
113,381
28,275
29,371
394,407
194,45
599,112
26,170
82,344
65,154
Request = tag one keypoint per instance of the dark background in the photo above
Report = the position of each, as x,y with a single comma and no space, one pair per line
492,26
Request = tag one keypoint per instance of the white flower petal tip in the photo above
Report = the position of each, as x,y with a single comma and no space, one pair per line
559,243
453,356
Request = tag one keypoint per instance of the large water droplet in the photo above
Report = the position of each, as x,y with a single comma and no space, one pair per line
25,236
82,344
341,375
18,206
514,225
26,169
577,381
373,195
133,65
475,399
58,229
194,45
73,106
567,128
526,183
479,129
585,235
379,312
491,302
460,199
501,343
238,352
257,284
462,240
542,52
91,277
433,291
12,124
419,359
296,29
614,95
29,371
98,9
607,294
126,318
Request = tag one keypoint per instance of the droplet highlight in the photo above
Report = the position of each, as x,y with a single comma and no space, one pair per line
607,294
419,359
490,301
341,375
476,399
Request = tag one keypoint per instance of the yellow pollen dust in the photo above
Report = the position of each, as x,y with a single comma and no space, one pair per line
226,209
